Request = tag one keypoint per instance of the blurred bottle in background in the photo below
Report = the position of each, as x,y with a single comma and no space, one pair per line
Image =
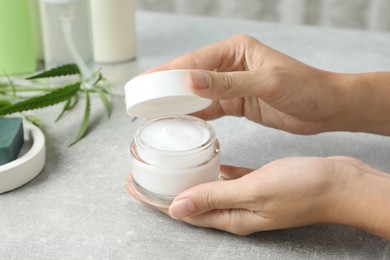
66,33
36,28
17,43
70,31
113,30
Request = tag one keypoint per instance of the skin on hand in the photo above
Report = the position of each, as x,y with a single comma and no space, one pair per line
290,192
247,78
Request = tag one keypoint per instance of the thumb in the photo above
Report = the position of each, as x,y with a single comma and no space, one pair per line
209,196
225,85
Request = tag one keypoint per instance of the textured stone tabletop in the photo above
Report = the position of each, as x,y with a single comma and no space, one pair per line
77,208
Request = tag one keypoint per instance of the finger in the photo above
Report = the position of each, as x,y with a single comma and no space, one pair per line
236,221
207,58
229,172
230,194
228,85
227,55
212,112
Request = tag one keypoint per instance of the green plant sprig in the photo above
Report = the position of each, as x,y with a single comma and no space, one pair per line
12,102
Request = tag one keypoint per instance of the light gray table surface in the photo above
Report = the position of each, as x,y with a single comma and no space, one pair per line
77,208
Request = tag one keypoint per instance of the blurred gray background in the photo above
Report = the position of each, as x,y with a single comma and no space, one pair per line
363,14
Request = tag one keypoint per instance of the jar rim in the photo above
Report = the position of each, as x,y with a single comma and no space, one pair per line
135,155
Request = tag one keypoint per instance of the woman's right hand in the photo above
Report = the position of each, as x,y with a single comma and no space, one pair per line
247,78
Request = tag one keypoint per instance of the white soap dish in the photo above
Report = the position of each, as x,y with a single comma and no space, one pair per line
29,163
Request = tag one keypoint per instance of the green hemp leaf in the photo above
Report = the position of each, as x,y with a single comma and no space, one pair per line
12,101
49,99
64,70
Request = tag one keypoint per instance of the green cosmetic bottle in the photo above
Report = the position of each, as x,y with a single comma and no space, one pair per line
17,46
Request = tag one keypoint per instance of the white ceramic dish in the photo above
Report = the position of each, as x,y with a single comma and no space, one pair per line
29,163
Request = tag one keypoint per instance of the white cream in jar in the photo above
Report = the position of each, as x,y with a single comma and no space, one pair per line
170,152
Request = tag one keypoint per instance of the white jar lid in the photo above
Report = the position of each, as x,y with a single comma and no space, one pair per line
162,93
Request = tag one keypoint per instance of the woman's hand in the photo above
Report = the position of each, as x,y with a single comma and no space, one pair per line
287,193
247,78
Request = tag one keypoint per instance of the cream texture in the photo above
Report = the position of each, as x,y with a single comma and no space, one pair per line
175,134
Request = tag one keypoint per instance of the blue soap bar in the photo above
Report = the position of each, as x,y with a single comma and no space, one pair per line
11,138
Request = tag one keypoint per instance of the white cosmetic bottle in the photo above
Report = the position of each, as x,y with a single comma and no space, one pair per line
170,152
113,30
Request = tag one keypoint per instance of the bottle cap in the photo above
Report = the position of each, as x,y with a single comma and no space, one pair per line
162,93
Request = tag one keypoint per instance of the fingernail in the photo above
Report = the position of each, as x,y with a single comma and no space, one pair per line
181,209
200,79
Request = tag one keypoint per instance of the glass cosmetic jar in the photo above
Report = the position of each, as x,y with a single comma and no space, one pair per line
172,154
170,151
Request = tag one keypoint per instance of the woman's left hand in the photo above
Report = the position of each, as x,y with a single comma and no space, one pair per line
287,193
